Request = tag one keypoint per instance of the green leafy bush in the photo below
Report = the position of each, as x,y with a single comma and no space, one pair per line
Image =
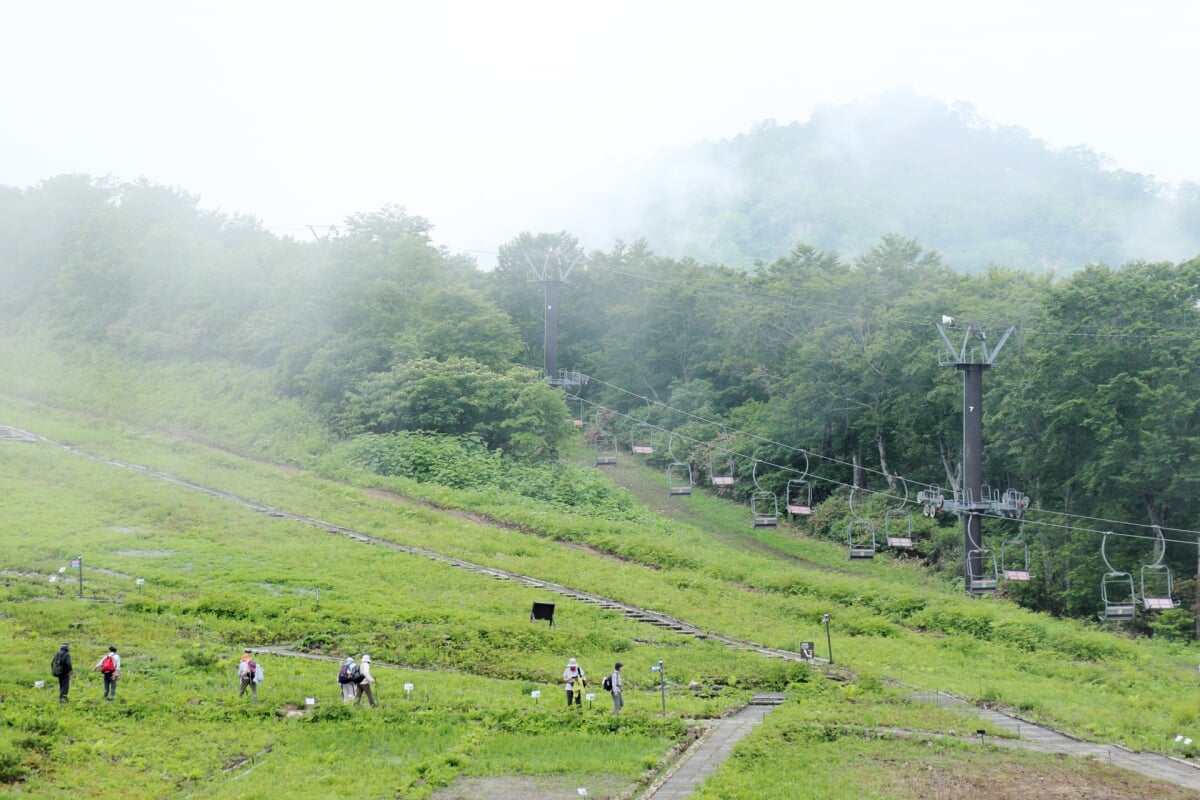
12,767
465,463
199,659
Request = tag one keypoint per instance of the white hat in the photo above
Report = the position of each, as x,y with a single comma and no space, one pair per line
349,659
366,658
572,662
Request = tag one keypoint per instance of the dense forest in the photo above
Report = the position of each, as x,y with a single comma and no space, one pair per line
978,193
809,363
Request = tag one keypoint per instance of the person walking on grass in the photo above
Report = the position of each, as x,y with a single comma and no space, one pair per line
347,679
109,666
364,685
249,675
61,668
575,680
615,688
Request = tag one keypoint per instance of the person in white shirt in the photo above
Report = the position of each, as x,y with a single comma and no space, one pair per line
110,671
364,686
575,680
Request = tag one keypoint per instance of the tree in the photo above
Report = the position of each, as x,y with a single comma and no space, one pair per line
507,411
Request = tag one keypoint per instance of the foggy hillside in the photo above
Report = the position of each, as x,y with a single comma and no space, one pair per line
977,193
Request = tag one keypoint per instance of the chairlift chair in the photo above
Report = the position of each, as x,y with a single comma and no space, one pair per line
725,476
898,528
1014,558
642,437
987,579
799,497
1156,579
764,507
860,533
898,523
606,449
860,536
679,473
1157,588
764,504
1116,589
679,479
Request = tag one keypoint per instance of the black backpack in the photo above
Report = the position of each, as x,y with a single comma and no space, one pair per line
607,684
58,664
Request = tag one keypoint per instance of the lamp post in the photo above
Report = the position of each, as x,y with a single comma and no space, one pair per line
828,640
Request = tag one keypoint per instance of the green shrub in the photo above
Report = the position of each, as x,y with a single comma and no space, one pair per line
199,658
12,767
224,606
1022,635
38,725
901,607
975,622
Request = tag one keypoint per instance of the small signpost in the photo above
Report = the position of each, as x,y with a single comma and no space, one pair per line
662,682
806,651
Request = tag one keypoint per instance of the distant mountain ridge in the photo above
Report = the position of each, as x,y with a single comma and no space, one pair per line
977,193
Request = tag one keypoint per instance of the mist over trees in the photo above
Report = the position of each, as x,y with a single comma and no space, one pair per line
977,193
810,360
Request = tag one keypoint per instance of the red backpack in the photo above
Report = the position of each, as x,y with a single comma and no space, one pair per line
108,665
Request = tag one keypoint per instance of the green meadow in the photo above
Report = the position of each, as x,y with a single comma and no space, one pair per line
182,581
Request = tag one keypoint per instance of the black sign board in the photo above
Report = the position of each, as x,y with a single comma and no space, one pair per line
542,611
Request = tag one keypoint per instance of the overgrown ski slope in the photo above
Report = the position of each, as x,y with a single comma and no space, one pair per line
218,576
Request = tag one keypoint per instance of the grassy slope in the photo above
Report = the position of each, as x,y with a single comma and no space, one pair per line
763,589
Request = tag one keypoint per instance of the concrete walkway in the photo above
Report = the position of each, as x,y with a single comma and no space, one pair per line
703,758
1031,736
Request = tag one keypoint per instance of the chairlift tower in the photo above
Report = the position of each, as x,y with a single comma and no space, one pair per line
972,358
551,274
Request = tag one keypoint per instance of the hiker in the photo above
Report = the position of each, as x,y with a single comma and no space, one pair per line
109,666
61,668
249,675
614,688
575,680
346,680
365,681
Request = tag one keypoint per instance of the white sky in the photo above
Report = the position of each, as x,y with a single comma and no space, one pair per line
478,115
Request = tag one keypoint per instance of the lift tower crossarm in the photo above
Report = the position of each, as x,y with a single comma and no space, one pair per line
550,279
965,354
